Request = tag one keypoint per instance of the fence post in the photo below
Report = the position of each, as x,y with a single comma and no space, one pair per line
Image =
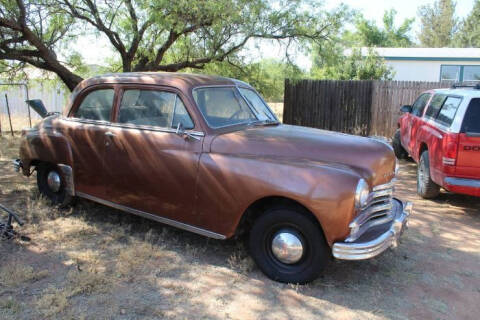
9,117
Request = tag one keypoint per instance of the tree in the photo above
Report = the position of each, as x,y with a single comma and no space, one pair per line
267,75
468,35
160,35
368,34
355,66
438,24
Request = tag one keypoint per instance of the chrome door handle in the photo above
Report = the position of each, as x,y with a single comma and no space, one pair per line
110,134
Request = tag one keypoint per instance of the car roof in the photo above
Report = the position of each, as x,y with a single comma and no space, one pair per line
464,92
183,81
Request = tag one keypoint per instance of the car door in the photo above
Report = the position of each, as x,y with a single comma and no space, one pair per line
85,129
149,166
414,121
468,162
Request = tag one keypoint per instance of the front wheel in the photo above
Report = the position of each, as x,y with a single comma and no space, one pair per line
426,188
288,246
51,183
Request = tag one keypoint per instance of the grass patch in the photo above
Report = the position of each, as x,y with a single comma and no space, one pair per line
15,273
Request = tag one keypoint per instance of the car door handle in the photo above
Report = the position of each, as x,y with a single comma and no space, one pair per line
109,134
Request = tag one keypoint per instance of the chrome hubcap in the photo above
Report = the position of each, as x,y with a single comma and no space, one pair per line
287,247
53,181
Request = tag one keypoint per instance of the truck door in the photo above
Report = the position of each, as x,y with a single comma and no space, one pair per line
468,164
413,121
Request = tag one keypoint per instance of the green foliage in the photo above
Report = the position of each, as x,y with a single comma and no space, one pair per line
331,62
368,34
267,76
469,31
355,66
438,24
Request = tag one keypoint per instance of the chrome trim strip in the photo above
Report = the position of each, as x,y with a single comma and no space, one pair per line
461,182
150,216
67,173
132,126
372,248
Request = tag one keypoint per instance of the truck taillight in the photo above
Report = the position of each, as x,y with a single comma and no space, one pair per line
450,149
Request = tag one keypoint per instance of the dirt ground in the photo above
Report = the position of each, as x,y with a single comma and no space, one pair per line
93,262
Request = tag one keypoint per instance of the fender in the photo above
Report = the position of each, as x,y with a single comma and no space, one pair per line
228,184
44,144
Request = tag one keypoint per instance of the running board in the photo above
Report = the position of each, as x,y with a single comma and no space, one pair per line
153,217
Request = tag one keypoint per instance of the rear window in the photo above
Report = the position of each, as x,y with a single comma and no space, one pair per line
435,105
471,122
448,111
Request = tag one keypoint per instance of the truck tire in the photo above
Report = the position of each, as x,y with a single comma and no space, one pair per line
51,184
398,149
426,188
288,246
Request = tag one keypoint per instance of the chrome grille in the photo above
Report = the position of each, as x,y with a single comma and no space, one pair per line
377,211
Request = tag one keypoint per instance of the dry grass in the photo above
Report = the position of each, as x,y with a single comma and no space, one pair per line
13,274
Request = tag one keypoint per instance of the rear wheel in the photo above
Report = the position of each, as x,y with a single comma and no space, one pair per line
288,246
51,184
398,149
426,188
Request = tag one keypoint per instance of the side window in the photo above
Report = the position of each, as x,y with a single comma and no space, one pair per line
448,111
153,108
97,105
471,122
420,104
435,105
181,116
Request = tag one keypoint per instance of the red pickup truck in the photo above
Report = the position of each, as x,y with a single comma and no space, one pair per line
441,132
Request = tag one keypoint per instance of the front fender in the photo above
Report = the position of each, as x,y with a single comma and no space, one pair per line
229,184
46,145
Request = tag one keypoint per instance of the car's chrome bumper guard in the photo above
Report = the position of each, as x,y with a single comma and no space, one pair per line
374,244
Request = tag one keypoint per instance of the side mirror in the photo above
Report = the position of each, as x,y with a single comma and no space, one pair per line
181,132
406,109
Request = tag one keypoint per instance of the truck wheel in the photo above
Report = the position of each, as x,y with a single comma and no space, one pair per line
398,149
426,188
288,246
51,184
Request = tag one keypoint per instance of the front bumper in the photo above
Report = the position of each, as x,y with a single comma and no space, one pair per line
377,239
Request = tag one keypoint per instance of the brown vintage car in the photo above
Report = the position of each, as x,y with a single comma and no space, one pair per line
206,154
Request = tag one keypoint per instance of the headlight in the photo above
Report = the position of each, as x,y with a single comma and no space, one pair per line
361,194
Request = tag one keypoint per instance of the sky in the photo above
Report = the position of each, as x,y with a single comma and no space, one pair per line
95,51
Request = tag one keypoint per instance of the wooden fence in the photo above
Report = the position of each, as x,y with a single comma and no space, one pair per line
358,107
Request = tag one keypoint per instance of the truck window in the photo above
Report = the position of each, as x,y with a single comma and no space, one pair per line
420,103
471,122
448,111
435,105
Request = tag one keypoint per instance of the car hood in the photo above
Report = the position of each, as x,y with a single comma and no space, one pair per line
371,159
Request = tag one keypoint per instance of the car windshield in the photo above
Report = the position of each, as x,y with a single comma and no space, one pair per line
226,106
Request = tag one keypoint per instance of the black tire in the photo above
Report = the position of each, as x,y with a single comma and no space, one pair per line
426,188
398,149
59,197
315,255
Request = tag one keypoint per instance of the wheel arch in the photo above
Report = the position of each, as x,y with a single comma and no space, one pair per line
259,206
